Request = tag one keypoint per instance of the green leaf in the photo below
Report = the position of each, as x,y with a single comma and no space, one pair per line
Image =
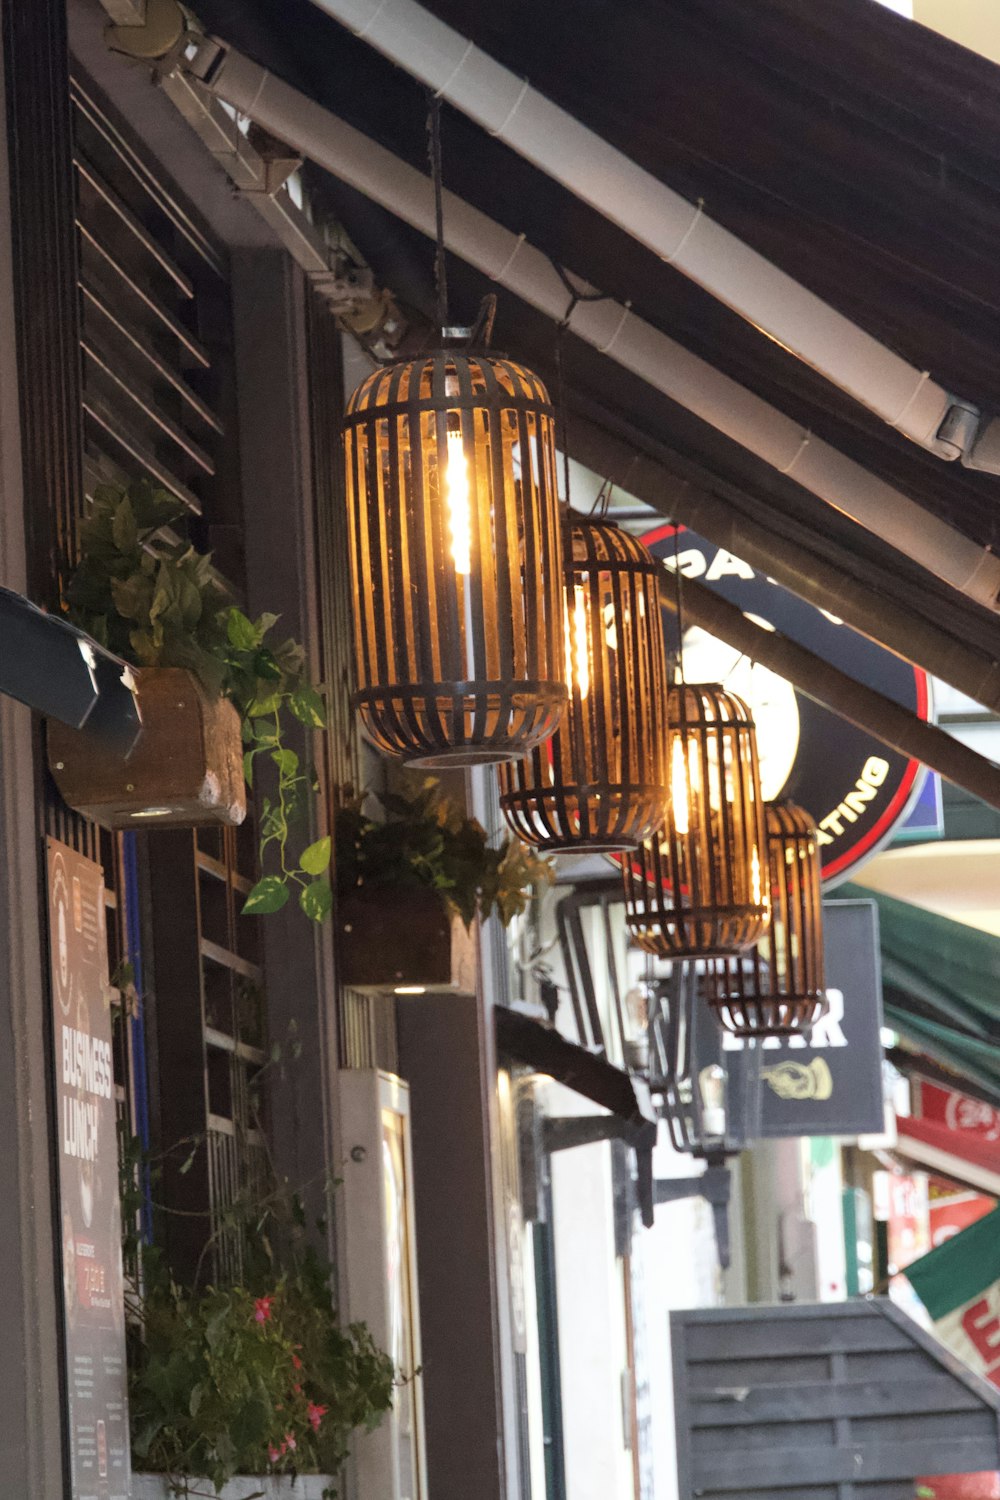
242,633
123,528
286,761
264,623
316,858
269,894
316,900
248,768
264,732
308,707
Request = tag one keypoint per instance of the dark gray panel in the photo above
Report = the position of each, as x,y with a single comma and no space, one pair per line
847,1401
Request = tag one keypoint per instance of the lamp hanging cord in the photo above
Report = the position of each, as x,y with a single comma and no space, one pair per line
679,598
561,420
434,155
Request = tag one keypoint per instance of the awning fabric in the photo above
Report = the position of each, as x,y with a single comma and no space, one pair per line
959,1155
941,986
547,1051
51,666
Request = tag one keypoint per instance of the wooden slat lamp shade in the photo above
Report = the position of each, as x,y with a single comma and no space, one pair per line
779,989
699,887
456,558
600,782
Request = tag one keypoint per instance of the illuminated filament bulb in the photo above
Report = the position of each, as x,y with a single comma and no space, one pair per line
457,495
679,788
755,882
577,652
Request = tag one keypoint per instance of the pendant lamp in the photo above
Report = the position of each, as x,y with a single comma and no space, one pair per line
699,887
456,559
455,546
779,989
600,782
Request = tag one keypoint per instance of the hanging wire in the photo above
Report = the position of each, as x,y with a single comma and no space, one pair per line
561,418
679,600
434,155
602,503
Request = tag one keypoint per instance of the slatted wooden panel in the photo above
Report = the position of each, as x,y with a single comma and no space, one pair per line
158,384
846,1401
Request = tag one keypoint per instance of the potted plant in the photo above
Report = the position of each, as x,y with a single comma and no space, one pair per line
411,883
218,694
252,1380
246,1390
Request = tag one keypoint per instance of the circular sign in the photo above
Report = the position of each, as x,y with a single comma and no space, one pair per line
857,789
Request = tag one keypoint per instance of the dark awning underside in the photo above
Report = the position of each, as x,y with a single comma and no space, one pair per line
854,149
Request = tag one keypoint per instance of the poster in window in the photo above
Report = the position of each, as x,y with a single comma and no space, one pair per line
89,1203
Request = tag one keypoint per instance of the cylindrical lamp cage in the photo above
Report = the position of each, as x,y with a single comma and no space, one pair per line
600,782
699,886
456,559
779,989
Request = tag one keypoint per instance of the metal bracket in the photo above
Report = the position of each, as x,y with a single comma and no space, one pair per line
715,1186
155,37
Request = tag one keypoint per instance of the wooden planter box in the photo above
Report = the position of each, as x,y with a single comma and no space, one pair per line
186,769
307,1487
392,942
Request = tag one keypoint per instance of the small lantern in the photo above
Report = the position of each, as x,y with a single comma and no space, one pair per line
456,559
600,782
709,1097
779,988
699,887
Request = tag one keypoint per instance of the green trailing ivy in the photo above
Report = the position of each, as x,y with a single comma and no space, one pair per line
426,840
155,600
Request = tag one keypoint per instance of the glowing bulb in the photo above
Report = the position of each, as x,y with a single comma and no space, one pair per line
679,788
457,493
581,656
755,884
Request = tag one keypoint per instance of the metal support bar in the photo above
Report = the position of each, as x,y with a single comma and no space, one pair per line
825,684
566,1132
964,651
715,1186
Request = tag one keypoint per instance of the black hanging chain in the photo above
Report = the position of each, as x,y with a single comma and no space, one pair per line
434,155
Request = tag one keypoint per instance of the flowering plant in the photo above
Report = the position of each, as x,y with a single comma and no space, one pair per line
223,1381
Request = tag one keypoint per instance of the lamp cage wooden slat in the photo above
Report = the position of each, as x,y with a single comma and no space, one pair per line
456,559
698,887
779,989
600,782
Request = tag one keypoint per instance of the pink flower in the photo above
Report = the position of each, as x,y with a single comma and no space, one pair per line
316,1415
262,1309
289,1442
296,1362
273,1453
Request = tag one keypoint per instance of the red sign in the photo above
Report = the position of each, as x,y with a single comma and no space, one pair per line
958,1111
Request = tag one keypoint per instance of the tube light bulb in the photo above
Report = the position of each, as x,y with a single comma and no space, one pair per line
581,655
712,1085
755,881
679,788
457,494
